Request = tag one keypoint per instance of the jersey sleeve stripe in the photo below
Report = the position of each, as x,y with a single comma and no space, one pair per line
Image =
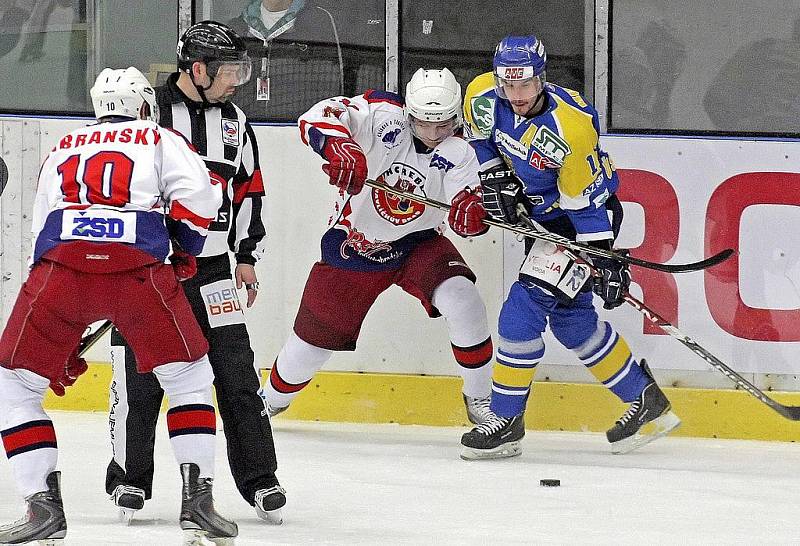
178,212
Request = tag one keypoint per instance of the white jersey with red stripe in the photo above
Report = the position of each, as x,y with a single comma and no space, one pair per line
374,230
116,182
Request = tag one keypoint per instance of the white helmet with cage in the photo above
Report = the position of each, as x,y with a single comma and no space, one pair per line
434,95
124,92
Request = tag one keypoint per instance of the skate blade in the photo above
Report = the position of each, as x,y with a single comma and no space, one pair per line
511,449
196,537
655,429
126,515
274,517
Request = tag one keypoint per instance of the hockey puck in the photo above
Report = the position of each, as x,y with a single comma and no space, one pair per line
550,483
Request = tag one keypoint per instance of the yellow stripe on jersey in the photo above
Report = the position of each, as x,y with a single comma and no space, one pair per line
479,110
512,377
576,128
613,362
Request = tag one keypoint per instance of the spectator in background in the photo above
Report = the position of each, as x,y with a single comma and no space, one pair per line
298,58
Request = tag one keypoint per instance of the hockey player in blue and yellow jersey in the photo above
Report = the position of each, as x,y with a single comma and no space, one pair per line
538,145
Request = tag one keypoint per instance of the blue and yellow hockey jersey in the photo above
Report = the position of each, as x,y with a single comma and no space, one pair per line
556,154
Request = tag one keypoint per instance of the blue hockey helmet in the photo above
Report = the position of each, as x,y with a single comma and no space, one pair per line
519,58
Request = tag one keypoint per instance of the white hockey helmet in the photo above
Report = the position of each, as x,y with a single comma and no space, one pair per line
124,92
434,95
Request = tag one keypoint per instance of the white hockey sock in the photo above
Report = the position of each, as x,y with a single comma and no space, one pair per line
28,435
191,419
459,302
295,366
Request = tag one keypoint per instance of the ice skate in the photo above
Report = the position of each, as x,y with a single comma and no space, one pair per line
202,524
497,438
44,522
478,411
269,503
648,418
129,499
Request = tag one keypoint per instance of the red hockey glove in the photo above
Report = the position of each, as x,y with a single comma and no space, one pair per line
467,213
184,265
347,164
73,369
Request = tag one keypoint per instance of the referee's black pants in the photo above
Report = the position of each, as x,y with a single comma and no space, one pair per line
136,398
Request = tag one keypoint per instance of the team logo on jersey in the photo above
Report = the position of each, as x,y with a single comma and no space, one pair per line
390,207
222,303
389,131
230,132
483,114
551,146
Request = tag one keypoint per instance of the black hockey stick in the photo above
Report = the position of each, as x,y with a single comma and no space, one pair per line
3,175
567,243
93,337
789,412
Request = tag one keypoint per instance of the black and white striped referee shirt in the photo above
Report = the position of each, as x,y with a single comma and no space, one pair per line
225,140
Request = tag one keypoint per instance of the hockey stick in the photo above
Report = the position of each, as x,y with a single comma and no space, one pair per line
3,175
93,337
789,412
567,243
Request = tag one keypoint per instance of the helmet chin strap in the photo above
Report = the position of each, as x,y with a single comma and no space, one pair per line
200,89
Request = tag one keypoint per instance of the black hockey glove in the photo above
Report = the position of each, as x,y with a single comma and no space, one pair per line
502,192
612,281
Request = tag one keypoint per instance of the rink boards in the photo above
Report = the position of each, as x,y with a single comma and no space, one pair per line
684,198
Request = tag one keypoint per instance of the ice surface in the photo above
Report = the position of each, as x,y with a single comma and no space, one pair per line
391,484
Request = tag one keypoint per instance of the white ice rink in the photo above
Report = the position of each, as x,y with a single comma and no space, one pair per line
391,484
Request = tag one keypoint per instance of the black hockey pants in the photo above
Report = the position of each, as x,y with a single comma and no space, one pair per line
251,450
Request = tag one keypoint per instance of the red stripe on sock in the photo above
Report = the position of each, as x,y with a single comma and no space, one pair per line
475,356
179,420
29,436
282,386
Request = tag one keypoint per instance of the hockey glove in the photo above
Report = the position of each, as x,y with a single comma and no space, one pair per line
467,213
347,164
502,192
612,281
73,369
184,265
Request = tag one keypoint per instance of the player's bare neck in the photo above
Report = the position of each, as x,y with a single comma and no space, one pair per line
538,107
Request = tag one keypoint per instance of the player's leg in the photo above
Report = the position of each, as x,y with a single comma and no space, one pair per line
435,273
191,423
158,309
519,350
606,354
41,332
334,304
134,405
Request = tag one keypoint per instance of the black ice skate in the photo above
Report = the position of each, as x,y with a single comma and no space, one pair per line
497,438
44,521
130,499
199,521
478,411
648,418
269,502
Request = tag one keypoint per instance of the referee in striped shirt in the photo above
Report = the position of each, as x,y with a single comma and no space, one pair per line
212,62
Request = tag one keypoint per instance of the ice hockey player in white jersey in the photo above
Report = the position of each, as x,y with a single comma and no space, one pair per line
102,252
376,239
